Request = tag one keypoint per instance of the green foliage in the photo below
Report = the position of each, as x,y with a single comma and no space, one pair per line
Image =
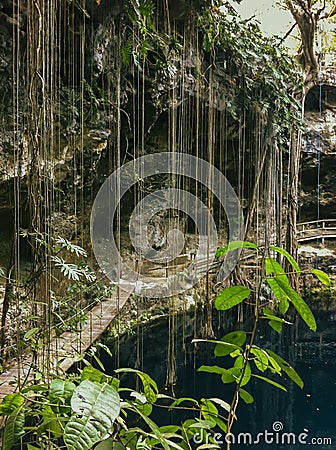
11,403
230,342
144,44
231,297
235,245
289,258
13,428
322,276
92,408
95,408
254,73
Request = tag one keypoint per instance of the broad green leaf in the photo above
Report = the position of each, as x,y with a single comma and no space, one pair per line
155,429
226,345
95,408
221,403
169,429
209,410
299,304
61,389
283,305
150,387
231,296
272,266
269,314
213,369
30,333
229,376
92,374
246,396
235,245
11,403
275,366
268,380
50,423
289,258
32,447
14,428
110,444
261,359
239,364
277,326
235,340
280,295
322,276
287,368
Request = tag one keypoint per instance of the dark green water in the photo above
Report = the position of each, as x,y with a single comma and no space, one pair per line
309,414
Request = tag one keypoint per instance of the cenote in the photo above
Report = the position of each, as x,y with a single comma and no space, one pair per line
307,413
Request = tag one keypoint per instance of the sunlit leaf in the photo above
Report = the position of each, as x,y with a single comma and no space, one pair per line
289,258
231,296
269,381
235,245
235,340
246,396
322,276
287,368
299,304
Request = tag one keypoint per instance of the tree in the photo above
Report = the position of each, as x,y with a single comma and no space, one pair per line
307,14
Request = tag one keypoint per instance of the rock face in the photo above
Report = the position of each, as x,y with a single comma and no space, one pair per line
100,105
319,153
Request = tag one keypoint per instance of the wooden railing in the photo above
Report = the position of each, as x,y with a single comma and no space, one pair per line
316,230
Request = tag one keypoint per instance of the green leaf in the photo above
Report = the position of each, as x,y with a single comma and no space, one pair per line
152,425
261,358
268,380
221,403
126,53
287,368
213,369
283,305
14,428
299,304
277,326
239,364
235,340
96,407
92,374
289,258
322,276
11,403
150,387
209,410
280,295
231,296
272,266
235,245
246,396
110,444
230,376
61,389
51,423
32,447
30,333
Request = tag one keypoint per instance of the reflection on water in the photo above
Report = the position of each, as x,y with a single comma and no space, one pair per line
308,413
